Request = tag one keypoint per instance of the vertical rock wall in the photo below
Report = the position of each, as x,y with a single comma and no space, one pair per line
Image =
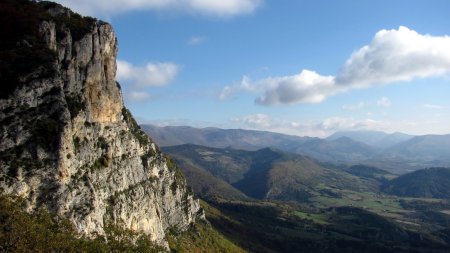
68,143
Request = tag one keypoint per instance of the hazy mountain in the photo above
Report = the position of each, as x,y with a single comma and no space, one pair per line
425,183
419,152
393,139
374,138
427,147
368,137
222,138
341,149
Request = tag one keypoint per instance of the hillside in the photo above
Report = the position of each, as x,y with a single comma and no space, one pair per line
425,183
280,227
368,172
205,184
262,174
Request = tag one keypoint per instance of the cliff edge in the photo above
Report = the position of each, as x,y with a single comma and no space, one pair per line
67,143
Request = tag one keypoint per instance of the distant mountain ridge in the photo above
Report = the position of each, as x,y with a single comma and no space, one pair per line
222,138
340,150
396,152
374,138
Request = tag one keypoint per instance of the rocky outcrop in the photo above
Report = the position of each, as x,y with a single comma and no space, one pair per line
67,142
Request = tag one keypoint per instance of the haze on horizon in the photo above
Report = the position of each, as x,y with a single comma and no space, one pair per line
307,68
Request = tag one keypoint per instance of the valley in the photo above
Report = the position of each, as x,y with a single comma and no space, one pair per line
291,198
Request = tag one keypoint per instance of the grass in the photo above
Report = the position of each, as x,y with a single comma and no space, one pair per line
201,237
319,218
375,202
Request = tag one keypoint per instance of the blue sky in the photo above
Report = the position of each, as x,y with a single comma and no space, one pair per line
298,67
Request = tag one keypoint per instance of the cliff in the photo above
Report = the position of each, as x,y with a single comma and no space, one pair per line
67,143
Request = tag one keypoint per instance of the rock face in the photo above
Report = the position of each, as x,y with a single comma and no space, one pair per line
67,142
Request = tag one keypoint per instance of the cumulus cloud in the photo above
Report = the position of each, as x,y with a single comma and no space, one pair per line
226,8
384,102
256,121
196,40
334,124
306,87
245,85
320,128
396,55
152,74
266,123
392,56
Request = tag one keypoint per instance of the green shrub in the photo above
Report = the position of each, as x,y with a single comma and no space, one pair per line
75,105
76,143
101,162
46,133
102,143
135,129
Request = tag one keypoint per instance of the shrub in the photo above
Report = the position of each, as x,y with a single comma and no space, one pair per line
102,143
46,133
41,231
135,129
75,105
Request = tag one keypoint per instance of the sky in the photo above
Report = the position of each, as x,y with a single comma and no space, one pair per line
301,67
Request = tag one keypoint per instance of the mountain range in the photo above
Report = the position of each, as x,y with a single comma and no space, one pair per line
397,152
374,138
267,173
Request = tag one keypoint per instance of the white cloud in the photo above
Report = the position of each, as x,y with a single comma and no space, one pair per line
384,102
306,87
256,121
245,85
432,106
321,128
152,74
218,8
354,107
396,55
138,95
266,123
334,124
392,55
196,40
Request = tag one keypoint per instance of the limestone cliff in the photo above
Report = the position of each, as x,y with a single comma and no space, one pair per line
67,142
